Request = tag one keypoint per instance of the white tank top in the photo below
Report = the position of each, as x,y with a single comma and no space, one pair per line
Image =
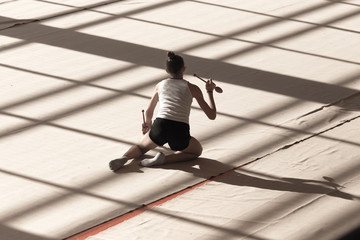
175,100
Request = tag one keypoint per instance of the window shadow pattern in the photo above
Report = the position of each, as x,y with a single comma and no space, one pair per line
229,73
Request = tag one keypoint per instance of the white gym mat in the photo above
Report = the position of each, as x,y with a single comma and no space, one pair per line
76,75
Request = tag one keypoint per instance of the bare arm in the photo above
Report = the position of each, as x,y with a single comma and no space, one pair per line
209,109
150,111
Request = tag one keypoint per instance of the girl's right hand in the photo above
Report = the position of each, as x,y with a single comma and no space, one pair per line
145,129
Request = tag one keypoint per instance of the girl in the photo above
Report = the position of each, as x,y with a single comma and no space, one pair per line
171,125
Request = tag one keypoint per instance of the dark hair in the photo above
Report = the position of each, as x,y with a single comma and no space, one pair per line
174,63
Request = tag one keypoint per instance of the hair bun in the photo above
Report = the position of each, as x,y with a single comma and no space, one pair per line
171,55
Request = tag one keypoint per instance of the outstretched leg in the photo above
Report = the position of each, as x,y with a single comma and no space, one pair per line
135,151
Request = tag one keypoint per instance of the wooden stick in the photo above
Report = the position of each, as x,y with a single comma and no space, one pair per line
217,89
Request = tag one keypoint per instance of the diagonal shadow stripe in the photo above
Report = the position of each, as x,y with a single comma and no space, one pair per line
152,57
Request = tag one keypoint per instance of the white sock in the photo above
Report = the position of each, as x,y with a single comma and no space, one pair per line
116,164
157,160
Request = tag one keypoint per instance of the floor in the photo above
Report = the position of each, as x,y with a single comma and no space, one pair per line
280,161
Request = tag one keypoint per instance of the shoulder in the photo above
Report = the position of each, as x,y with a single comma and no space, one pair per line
161,83
158,86
195,90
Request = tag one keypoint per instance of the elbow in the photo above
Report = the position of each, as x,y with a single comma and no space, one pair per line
212,116
210,113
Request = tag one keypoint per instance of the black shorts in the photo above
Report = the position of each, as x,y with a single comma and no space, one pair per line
176,134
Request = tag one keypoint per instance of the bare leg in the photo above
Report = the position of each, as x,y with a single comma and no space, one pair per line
134,152
141,148
193,151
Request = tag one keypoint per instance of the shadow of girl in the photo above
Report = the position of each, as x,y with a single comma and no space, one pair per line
223,173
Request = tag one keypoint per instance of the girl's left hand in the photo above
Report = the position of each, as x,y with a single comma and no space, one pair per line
210,86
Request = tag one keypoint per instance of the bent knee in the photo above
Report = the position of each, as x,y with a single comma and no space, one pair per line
199,151
194,148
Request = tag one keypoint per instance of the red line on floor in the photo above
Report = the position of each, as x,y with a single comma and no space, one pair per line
115,221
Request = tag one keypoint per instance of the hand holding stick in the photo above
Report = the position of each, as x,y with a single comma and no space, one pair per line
217,89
